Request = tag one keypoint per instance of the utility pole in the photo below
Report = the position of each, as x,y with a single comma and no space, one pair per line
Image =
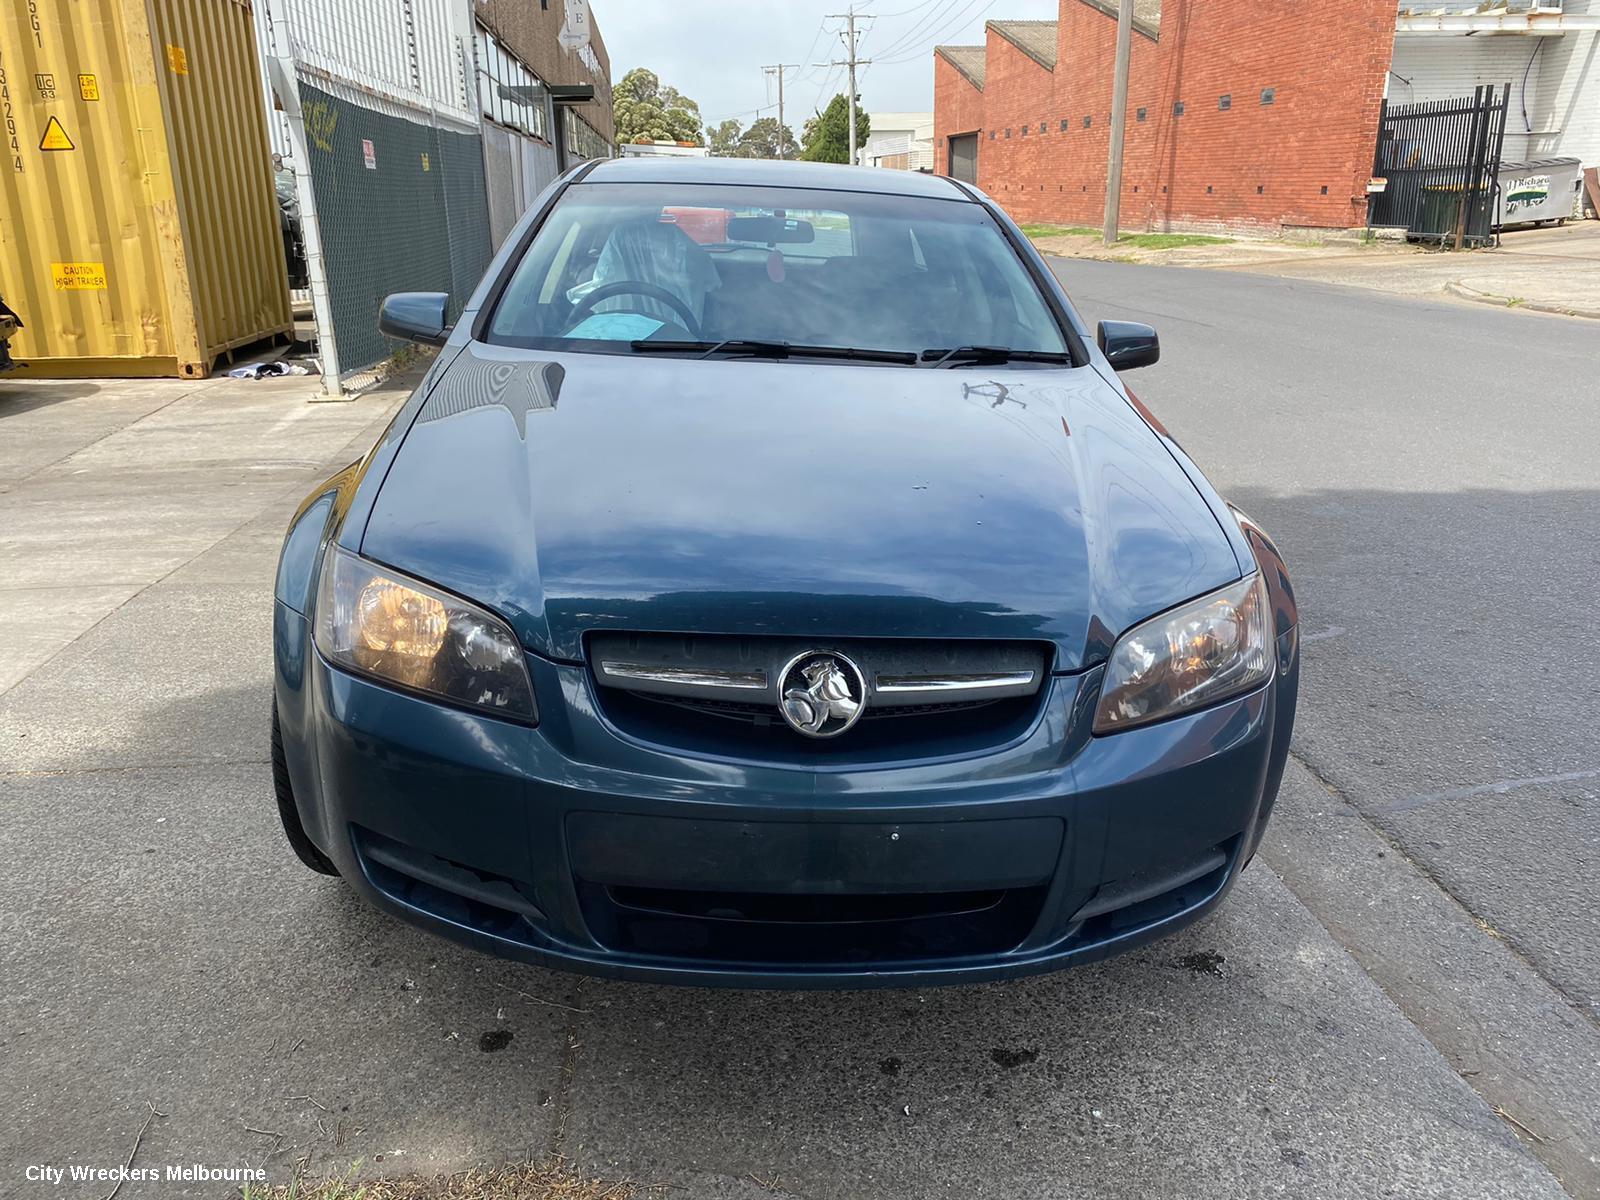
848,36
779,68
1119,119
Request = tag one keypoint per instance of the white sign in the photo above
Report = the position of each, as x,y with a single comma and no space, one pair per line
368,153
575,32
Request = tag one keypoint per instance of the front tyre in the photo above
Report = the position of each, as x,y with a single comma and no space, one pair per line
305,850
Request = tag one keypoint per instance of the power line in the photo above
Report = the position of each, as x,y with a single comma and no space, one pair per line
944,32
903,11
917,27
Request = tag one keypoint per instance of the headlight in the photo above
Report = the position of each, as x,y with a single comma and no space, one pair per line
378,622
1205,651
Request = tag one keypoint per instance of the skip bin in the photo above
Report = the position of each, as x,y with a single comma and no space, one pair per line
139,230
1440,213
1543,189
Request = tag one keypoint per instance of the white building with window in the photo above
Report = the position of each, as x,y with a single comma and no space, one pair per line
901,141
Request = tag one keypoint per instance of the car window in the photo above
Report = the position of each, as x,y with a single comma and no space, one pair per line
619,263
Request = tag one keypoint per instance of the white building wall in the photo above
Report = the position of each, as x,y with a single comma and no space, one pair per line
1569,93
1555,83
1450,66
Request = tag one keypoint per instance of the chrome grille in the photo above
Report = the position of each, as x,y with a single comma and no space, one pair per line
719,695
899,674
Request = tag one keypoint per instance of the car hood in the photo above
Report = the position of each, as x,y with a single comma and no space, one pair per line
583,492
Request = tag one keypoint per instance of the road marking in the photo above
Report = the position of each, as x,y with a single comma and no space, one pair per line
1332,631
1499,788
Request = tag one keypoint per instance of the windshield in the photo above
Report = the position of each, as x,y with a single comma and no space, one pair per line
619,264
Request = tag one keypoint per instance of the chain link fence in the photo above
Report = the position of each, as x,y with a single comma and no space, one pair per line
376,113
402,207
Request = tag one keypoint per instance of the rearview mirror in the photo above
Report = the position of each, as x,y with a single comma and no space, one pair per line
1128,344
771,230
416,317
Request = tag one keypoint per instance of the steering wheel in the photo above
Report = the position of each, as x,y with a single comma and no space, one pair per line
635,287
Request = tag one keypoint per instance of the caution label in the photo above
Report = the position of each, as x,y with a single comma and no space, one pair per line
79,277
178,60
88,87
55,137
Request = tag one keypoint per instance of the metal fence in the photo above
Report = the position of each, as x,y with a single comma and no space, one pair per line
1440,162
378,118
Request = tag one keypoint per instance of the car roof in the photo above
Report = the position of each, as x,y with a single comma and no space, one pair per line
751,172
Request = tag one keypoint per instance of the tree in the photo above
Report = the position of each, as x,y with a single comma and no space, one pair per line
648,112
827,135
767,139
724,138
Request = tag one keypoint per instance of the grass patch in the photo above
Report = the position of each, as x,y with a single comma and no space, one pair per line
1039,231
552,1180
1140,241
1170,241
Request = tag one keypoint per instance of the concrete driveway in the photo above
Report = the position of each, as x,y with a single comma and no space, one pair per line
160,948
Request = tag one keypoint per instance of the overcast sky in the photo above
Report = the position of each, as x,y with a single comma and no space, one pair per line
713,50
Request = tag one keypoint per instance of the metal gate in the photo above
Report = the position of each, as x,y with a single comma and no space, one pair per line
964,157
1439,161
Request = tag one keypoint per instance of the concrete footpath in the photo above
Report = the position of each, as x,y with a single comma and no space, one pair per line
161,952
1553,270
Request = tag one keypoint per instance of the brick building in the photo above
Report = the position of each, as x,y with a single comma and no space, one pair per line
1251,116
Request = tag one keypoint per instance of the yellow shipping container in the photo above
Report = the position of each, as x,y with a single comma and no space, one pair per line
139,228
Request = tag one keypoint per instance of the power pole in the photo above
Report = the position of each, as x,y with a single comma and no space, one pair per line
779,68
1119,118
848,36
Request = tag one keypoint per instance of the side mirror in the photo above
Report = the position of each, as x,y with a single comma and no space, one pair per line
1128,344
415,317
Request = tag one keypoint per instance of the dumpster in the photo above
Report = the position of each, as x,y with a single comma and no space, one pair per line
139,226
1439,214
1542,189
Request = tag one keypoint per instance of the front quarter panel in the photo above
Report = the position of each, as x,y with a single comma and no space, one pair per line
335,510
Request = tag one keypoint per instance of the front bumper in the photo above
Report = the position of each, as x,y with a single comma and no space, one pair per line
574,846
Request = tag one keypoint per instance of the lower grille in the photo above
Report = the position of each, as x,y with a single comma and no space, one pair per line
817,930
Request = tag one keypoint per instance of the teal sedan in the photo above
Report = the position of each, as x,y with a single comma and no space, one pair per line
773,583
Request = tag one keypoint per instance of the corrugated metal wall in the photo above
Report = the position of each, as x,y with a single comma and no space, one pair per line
227,207
138,233
1448,67
517,170
1568,95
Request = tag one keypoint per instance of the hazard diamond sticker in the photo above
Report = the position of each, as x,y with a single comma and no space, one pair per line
55,137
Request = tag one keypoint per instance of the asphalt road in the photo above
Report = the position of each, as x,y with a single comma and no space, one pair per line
1400,1001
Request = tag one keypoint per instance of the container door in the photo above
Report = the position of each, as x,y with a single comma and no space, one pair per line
83,174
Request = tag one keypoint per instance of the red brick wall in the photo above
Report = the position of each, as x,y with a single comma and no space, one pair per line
1302,160
959,104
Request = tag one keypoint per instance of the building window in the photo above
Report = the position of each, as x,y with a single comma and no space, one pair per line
1141,114
1008,133
1087,121
991,135
583,139
499,69
1065,124
1025,129
1225,103
1268,95
1177,108
1043,125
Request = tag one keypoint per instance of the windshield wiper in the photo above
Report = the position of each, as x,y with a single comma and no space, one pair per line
773,349
992,354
